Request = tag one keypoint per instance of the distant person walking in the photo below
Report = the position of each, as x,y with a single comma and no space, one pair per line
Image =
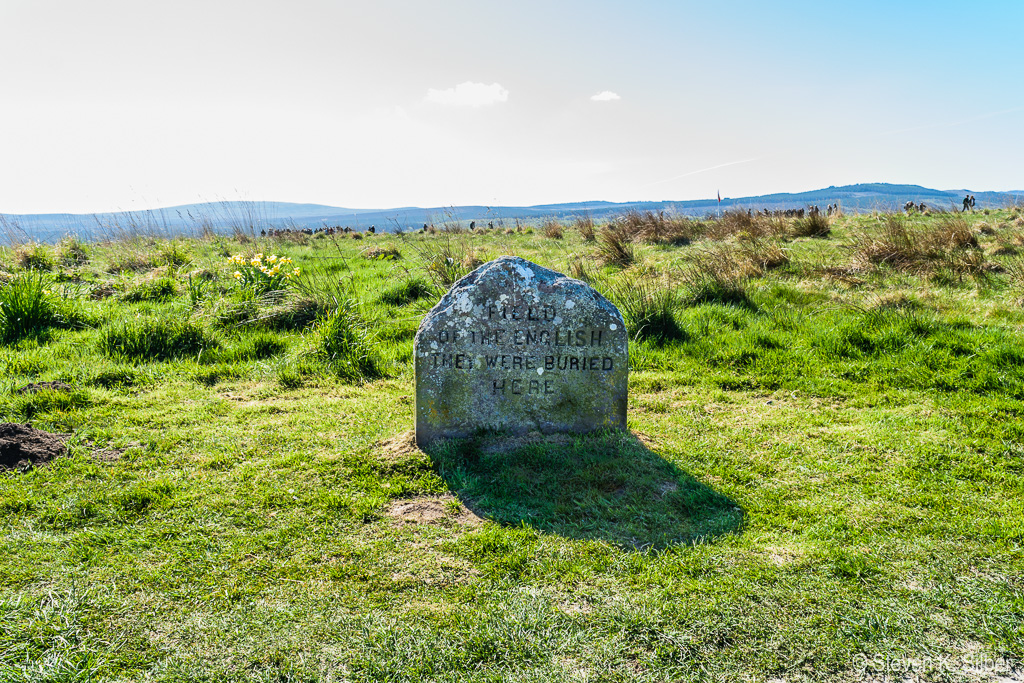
967,203
972,202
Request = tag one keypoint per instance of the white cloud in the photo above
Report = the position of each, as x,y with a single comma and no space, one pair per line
605,96
469,94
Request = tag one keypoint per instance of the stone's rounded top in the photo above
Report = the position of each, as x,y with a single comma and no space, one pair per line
513,279
515,347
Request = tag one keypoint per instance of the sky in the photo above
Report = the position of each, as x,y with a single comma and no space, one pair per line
125,105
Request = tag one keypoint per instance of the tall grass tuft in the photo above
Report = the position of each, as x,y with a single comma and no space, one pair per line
613,248
407,291
950,247
814,225
579,268
160,289
33,256
953,232
745,224
649,309
656,228
892,242
347,348
717,276
445,260
156,339
71,251
27,308
174,254
553,229
585,226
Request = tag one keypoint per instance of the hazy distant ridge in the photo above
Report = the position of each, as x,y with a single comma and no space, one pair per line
221,216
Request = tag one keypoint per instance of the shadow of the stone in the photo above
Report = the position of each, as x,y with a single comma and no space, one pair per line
607,486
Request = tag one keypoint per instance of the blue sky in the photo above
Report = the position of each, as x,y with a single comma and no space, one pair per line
128,105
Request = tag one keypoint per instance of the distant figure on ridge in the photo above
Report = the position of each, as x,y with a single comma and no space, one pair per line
967,203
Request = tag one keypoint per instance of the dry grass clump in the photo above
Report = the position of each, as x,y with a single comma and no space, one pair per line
33,256
746,258
745,223
71,251
552,229
814,225
585,226
1015,270
656,228
131,259
474,259
716,276
951,245
953,232
894,243
388,253
613,248
760,255
579,269
1003,248
1007,244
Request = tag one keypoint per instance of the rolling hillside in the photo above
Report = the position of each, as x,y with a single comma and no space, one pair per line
193,219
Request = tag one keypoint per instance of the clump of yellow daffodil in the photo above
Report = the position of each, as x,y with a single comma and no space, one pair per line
262,274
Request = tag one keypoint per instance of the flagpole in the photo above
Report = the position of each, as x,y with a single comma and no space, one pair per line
719,203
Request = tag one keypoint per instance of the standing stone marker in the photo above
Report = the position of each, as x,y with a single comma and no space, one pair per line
516,347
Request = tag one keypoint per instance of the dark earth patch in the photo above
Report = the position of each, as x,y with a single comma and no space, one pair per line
22,446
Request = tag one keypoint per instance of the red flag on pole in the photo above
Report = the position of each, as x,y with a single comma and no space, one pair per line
719,196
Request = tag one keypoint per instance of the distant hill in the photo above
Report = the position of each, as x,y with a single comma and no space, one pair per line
193,219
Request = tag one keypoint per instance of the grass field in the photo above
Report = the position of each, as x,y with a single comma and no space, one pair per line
824,478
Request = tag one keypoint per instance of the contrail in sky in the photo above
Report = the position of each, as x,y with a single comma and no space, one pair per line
700,170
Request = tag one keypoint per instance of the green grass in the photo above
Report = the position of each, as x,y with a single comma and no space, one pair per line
825,467
30,308
165,338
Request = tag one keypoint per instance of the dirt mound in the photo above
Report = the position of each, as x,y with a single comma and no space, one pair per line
39,386
433,511
399,447
22,446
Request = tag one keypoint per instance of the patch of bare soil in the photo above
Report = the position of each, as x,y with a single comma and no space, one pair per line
398,447
21,446
39,386
109,454
440,510
646,440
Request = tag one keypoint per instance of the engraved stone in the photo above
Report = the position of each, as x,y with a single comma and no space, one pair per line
515,347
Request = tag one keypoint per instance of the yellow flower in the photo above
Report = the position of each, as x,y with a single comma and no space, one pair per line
238,276
46,291
271,258
295,272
